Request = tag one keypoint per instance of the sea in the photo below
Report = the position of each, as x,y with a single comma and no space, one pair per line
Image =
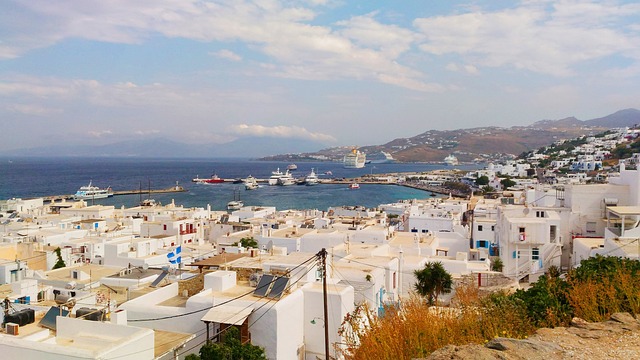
37,177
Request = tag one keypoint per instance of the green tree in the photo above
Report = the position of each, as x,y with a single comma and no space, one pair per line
482,180
497,264
60,263
507,183
546,300
488,189
247,242
433,280
231,348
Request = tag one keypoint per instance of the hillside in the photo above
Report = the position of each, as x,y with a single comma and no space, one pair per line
478,144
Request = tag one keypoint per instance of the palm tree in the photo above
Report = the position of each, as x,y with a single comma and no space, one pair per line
433,280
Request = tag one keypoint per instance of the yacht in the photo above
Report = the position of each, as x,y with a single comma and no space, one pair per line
250,183
312,179
292,167
275,175
92,192
354,159
286,179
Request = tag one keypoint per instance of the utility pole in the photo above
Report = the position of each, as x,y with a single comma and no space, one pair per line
323,265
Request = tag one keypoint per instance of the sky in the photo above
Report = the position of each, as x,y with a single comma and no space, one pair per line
331,71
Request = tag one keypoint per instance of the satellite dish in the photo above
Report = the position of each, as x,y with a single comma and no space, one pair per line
525,210
270,246
145,266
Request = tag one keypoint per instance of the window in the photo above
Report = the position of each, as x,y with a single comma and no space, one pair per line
424,231
514,254
552,233
521,230
165,227
414,230
535,254
394,280
479,227
493,228
482,244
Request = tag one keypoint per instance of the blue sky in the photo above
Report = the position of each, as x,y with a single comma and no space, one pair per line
339,72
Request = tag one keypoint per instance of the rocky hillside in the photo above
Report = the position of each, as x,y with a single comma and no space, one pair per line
617,338
481,143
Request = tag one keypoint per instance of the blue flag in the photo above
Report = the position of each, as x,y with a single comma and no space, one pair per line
174,256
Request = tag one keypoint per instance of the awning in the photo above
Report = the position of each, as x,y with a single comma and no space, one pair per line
227,314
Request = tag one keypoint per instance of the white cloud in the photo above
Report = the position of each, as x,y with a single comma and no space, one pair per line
468,68
227,54
532,36
367,32
295,132
147,132
99,133
363,48
32,109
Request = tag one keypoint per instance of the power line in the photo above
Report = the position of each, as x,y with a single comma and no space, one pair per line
219,304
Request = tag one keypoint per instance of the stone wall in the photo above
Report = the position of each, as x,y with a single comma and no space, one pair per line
192,286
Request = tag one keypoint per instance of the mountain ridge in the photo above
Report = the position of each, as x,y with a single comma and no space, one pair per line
471,144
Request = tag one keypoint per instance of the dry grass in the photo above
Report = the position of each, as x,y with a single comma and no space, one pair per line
419,329
596,299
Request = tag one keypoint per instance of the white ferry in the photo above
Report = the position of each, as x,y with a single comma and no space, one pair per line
354,159
91,192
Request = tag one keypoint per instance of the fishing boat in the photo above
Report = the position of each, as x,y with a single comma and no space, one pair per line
91,192
236,203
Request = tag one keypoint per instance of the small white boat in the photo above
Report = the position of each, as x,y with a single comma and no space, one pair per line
354,186
91,192
292,167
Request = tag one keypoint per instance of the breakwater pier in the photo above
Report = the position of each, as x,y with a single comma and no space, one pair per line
173,189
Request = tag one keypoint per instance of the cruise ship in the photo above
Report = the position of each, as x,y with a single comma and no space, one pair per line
354,159
451,160
380,157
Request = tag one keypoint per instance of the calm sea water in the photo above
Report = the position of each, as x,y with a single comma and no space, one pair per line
33,177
